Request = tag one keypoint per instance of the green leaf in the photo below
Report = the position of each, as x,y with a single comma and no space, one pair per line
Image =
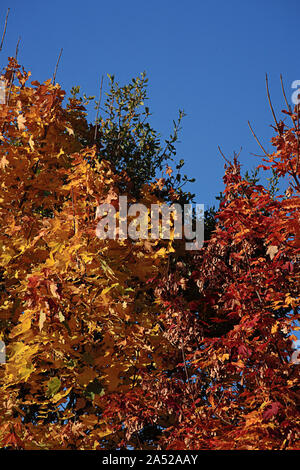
53,386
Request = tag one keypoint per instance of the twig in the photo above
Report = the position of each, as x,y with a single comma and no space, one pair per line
250,272
223,155
17,47
56,67
73,208
270,103
223,419
254,135
98,106
13,73
184,364
238,154
285,98
5,25
294,122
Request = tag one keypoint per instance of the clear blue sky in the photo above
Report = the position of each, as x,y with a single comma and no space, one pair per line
206,57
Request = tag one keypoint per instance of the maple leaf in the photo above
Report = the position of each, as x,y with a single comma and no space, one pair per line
42,319
272,410
141,337
70,130
21,121
169,170
160,182
272,250
4,162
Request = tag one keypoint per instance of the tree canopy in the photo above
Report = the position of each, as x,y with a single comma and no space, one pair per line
121,343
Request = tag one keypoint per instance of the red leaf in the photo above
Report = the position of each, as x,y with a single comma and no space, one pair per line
272,410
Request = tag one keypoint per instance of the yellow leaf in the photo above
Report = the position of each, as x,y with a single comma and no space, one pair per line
4,162
61,395
31,143
53,290
169,170
224,357
89,420
24,325
61,317
20,121
70,131
50,261
272,250
161,252
42,319
25,372
107,289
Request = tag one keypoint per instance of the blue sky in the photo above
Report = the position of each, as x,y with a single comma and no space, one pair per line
206,57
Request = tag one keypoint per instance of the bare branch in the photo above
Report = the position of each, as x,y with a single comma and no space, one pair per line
254,135
284,95
294,122
98,106
239,153
17,48
223,155
271,106
13,74
56,67
4,31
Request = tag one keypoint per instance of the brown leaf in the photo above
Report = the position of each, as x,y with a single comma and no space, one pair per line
21,121
272,250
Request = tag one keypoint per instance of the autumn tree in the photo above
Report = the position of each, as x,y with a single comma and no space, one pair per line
117,343
77,316
229,312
